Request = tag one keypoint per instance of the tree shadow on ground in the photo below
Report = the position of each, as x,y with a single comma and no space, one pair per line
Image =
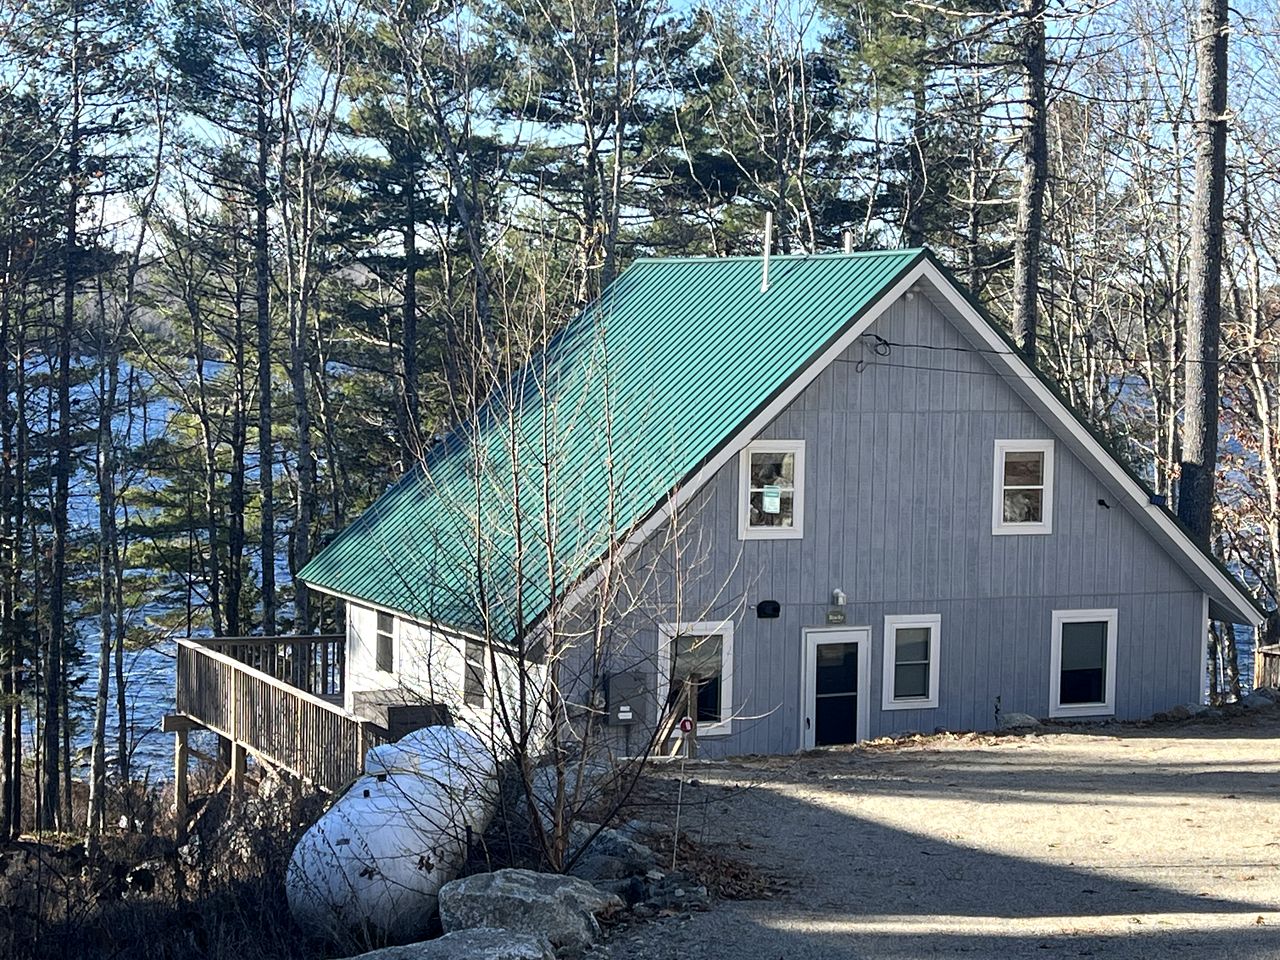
859,867
786,937
866,883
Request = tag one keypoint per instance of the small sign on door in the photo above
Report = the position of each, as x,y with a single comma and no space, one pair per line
835,615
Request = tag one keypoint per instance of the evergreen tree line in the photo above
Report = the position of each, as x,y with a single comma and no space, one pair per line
256,254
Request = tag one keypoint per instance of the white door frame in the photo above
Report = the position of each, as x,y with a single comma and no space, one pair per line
814,636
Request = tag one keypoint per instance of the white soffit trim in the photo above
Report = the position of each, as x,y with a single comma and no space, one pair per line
1028,385
370,605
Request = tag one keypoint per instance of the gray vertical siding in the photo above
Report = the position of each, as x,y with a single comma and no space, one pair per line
898,492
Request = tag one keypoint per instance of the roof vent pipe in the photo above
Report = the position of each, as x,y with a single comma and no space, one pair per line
768,249
848,241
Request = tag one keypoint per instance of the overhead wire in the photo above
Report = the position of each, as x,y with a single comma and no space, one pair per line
880,343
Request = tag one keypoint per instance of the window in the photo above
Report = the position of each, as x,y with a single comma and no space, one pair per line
473,674
700,654
1023,501
911,662
1082,673
771,490
384,655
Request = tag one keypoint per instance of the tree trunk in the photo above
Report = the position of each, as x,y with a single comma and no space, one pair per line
914,232
235,492
22,449
262,278
306,462
122,702
10,653
1035,171
51,734
1204,308
209,448
409,318
108,387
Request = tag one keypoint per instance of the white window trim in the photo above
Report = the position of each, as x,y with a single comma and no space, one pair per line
813,638
667,632
1108,706
891,626
745,530
998,525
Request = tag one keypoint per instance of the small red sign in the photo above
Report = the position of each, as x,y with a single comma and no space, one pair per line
686,725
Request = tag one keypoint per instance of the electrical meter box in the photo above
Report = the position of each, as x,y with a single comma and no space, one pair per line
628,697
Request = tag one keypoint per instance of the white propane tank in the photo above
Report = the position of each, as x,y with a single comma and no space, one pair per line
377,858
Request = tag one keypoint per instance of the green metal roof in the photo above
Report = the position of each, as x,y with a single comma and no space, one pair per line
624,404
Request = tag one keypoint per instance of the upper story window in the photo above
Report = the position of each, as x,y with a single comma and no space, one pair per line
1023,487
384,654
911,662
771,490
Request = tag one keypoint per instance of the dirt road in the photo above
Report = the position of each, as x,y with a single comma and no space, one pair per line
1118,842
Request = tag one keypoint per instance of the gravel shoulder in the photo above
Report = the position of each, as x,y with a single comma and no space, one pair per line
1115,842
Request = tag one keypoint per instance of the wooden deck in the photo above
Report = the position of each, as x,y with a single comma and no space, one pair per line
277,698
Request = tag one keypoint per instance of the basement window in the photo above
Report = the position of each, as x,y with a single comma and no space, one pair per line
384,656
473,674
1082,663
1023,487
771,490
698,656
911,662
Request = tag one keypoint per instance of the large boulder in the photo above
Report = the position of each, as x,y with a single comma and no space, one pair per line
1257,701
481,943
563,909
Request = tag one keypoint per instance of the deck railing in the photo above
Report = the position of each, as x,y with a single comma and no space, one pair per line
1266,666
315,664
309,737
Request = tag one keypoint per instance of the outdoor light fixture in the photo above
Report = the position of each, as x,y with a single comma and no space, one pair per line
838,599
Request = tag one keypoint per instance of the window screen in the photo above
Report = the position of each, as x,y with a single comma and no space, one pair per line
1083,674
386,637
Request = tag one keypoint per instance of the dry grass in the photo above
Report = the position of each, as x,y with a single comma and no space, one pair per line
143,895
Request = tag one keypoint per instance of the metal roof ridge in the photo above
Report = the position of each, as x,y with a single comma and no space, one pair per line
820,255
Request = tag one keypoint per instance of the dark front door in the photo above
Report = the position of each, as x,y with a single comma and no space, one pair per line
835,694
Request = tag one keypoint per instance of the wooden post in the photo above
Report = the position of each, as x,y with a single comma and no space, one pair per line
236,756
237,767
179,726
691,708
180,754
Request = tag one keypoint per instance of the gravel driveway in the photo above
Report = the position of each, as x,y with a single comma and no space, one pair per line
1112,842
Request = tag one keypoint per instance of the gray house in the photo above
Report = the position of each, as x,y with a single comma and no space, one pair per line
830,499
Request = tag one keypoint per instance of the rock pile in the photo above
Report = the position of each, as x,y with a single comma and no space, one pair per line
477,944
563,909
523,915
